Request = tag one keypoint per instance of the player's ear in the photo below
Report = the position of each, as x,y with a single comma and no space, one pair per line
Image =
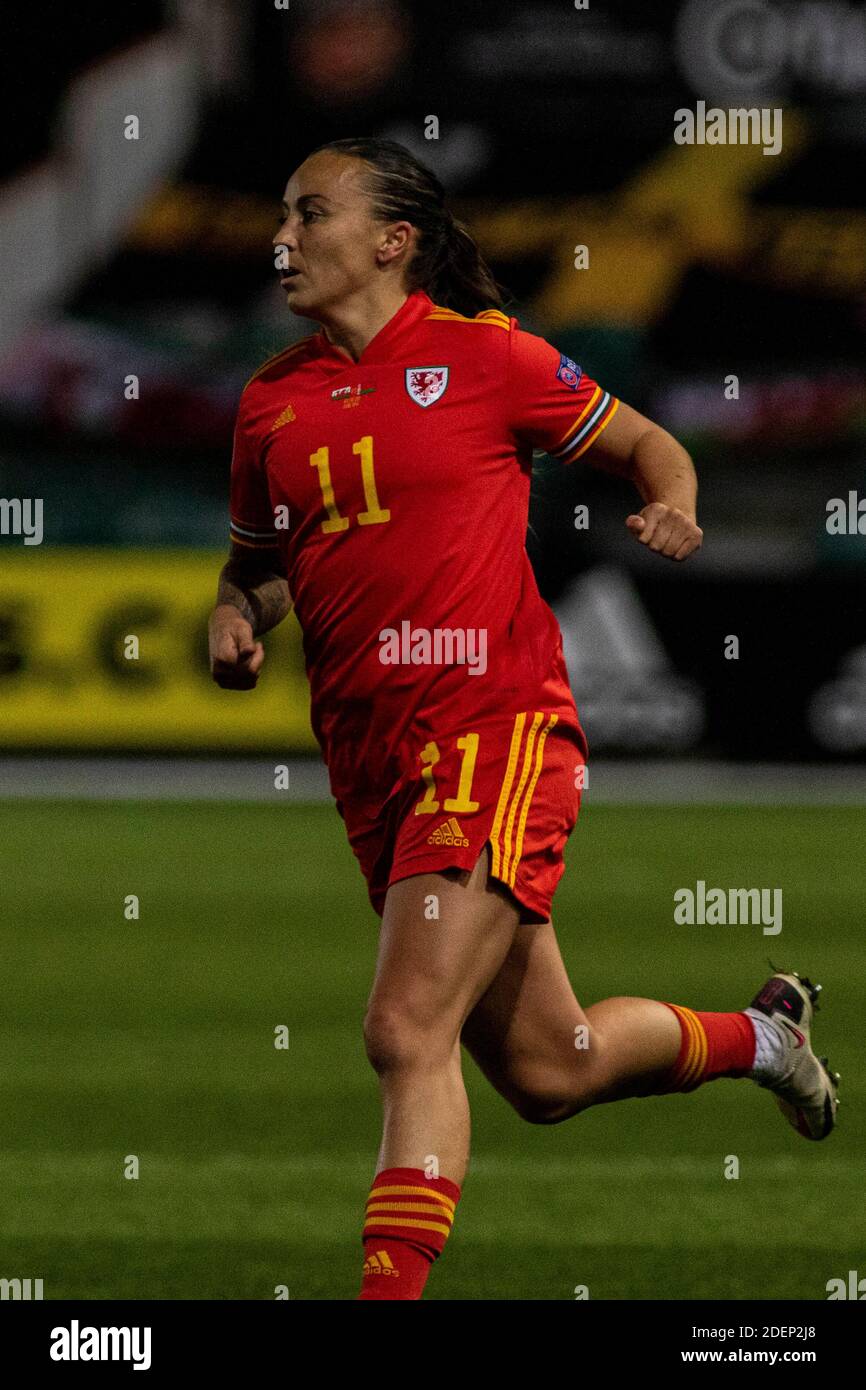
396,238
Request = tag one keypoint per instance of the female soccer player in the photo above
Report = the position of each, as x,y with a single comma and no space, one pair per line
380,482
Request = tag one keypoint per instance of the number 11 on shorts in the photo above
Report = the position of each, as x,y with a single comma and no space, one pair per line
430,755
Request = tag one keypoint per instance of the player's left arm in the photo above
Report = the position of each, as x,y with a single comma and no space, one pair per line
552,405
634,447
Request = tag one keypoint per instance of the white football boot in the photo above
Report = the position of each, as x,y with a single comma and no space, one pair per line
803,1084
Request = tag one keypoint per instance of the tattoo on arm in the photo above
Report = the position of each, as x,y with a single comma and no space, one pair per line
260,595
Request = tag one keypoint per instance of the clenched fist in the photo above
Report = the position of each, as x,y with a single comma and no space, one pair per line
235,655
666,530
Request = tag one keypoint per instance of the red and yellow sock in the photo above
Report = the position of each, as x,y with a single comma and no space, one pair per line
712,1045
408,1219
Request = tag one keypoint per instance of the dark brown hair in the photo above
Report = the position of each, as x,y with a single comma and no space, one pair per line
447,264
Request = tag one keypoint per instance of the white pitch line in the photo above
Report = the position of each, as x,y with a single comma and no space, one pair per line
638,782
54,1166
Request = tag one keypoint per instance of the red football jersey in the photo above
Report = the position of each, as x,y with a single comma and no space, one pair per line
397,489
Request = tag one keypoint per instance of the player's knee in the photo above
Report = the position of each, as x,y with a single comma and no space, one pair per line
543,1108
396,1038
544,1096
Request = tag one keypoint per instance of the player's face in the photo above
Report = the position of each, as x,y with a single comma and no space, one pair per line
329,237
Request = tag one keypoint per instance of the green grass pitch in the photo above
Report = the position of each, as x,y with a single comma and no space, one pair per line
155,1038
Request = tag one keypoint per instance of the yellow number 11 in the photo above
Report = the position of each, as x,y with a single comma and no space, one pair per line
373,515
429,756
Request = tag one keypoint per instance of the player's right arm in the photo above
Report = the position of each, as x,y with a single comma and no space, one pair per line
253,592
252,597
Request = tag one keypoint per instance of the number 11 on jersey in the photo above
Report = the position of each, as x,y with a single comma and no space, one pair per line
373,514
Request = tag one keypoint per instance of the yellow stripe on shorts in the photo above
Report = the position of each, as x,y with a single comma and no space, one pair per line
521,826
507,849
505,792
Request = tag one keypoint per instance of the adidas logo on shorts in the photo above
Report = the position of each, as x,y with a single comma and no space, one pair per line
449,833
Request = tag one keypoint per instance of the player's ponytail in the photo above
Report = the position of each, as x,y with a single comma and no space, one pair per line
448,264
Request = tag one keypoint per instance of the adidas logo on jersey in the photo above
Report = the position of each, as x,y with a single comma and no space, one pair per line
381,1263
449,833
284,418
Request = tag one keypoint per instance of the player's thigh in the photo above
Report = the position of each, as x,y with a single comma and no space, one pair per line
443,939
526,1023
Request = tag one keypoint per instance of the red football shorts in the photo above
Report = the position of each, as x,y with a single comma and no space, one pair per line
514,782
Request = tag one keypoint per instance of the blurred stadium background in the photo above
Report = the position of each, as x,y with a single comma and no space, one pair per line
150,258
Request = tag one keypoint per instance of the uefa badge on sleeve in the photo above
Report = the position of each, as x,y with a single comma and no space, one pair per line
569,372
426,384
